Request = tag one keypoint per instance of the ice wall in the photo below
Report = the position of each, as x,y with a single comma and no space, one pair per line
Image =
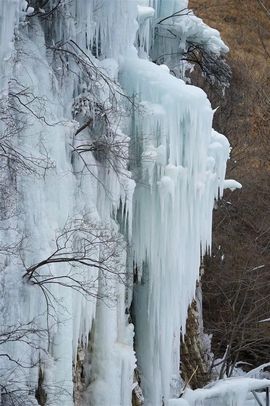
109,172
176,186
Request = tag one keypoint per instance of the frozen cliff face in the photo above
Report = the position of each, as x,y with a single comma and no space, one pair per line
176,186
182,40
109,171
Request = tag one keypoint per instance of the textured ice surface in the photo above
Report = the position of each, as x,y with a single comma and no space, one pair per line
228,392
178,180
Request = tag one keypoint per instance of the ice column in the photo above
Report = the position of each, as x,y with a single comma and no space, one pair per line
178,165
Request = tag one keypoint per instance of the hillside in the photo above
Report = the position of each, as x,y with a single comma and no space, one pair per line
236,282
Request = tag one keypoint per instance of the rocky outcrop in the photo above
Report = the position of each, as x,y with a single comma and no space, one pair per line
195,356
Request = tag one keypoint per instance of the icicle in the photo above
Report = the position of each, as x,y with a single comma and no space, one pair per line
174,199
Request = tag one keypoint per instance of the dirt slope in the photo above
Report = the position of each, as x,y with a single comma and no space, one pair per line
236,285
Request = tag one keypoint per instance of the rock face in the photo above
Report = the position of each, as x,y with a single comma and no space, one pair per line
195,367
239,266
137,394
40,393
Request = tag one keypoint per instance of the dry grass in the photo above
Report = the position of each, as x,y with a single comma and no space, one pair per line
242,223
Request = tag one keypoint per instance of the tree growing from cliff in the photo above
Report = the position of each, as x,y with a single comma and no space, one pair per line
88,251
16,108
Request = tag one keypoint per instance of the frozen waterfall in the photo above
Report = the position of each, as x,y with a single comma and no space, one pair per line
109,172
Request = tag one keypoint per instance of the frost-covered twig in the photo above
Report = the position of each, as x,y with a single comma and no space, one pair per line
15,110
185,11
40,10
85,247
213,66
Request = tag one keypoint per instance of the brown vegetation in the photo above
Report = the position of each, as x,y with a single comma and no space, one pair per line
236,285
